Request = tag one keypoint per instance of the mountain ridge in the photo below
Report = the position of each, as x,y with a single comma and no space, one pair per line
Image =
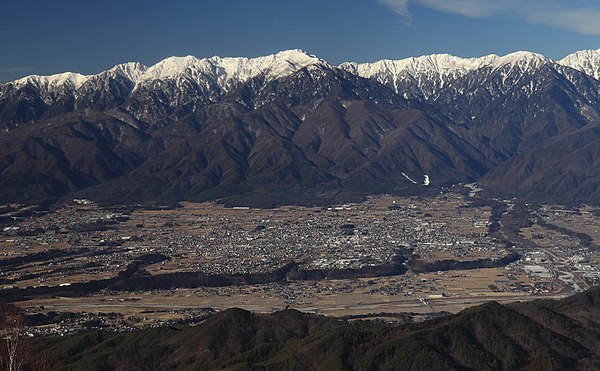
232,128
542,334
576,60
587,61
421,78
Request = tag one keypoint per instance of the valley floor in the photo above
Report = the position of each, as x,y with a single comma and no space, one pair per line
395,258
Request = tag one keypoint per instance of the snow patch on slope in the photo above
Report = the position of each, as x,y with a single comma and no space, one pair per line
426,180
409,178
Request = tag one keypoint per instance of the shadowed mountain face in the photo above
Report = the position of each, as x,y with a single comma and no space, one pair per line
539,335
564,168
315,151
318,135
290,128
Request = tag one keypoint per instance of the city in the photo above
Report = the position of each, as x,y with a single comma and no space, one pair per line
389,258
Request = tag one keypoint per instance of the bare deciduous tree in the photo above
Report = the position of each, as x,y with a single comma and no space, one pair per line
12,333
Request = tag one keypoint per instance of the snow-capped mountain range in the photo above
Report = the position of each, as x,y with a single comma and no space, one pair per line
225,72
229,72
183,80
434,72
190,128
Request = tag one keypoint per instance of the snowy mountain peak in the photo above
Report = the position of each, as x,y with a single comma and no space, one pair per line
587,61
131,70
524,60
169,67
229,71
271,66
284,63
45,83
298,57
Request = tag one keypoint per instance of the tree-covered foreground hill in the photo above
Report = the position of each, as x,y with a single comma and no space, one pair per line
537,335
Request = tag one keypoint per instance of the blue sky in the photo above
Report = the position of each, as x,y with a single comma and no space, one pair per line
46,37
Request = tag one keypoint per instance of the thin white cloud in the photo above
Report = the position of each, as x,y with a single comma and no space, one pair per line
469,8
400,7
583,21
581,16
